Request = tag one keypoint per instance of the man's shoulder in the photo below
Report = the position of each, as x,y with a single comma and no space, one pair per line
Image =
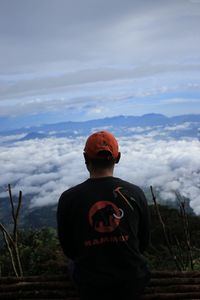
129,185
74,189
133,190
71,196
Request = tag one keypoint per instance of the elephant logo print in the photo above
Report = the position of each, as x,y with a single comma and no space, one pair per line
105,216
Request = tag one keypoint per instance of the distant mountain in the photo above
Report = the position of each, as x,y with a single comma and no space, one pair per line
119,125
44,216
29,217
33,135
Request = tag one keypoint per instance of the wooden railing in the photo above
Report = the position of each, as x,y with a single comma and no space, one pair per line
164,285
173,285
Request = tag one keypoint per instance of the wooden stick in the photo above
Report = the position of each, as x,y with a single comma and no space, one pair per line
164,231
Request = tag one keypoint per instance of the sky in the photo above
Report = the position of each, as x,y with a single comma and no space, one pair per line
76,60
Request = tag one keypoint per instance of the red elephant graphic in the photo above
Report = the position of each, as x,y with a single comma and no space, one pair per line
105,216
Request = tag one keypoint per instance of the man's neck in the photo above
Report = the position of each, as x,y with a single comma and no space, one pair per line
101,173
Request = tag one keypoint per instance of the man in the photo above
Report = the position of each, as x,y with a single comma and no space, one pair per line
103,227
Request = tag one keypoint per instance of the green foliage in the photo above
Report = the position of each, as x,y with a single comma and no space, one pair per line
158,254
40,253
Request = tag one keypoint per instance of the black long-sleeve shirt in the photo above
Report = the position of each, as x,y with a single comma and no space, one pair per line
103,226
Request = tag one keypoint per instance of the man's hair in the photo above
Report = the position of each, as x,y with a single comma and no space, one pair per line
104,161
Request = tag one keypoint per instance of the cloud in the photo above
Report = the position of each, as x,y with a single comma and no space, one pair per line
41,167
195,1
181,101
166,165
45,168
183,126
118,96
87,53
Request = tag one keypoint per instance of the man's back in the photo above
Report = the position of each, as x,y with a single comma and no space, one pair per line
103,226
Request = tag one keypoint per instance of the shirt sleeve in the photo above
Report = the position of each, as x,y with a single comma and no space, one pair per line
65,234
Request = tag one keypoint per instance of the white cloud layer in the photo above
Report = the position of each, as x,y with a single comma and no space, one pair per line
45,168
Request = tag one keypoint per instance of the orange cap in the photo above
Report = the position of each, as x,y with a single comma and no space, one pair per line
101,141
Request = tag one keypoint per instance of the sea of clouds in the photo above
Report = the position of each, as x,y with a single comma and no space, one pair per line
45,168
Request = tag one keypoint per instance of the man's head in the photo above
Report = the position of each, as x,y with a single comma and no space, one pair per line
101,150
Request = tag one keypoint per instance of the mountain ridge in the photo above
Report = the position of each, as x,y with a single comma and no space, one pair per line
152,119
161,126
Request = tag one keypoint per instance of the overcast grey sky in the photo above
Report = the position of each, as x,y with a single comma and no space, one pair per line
77,58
